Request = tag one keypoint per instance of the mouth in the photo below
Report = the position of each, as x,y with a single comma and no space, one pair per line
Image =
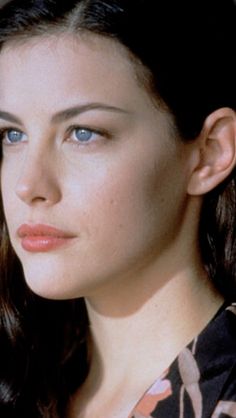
42,238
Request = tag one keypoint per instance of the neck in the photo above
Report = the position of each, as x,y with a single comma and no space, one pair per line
138,329
152,334
140,322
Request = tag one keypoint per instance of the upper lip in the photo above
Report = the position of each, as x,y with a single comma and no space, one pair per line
42,230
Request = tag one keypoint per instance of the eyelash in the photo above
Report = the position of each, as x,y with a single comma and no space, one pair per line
69,132
101,133
4,131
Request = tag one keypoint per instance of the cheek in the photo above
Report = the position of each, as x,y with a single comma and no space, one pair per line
9,174
8,197
128,210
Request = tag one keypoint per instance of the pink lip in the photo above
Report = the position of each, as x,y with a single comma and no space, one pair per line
42,238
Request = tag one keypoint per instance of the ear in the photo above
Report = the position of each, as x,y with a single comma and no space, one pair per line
215,152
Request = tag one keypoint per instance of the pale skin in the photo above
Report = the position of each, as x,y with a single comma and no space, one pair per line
131,196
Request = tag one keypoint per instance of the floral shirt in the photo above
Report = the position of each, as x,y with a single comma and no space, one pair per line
201,382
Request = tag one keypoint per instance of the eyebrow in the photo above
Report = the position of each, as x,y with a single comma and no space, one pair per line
9,117
69,113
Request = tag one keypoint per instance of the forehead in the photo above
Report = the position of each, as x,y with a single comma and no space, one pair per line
94,64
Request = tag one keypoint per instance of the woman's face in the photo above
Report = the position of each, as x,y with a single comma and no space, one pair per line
93,182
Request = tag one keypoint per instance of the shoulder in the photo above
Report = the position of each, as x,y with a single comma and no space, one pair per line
202,379
226,403
201,382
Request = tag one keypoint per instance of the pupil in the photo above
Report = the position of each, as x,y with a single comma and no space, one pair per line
14,136
83,134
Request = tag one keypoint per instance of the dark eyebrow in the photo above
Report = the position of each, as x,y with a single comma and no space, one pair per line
9,117
69,113
76,110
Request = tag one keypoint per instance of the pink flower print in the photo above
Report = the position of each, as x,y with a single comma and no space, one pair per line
159,391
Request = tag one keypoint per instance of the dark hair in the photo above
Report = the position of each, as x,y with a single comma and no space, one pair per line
187,53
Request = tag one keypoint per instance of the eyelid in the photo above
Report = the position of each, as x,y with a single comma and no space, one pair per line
97,131
87,128
9,128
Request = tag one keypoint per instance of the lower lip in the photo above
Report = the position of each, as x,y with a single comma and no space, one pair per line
43,244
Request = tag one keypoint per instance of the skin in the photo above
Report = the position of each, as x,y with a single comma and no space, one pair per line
123,196
117,195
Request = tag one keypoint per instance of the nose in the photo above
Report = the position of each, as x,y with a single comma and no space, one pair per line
38,180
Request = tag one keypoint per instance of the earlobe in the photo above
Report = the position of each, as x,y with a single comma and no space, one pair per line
216,148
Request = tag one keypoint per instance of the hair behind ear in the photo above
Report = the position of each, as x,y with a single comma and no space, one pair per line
218,236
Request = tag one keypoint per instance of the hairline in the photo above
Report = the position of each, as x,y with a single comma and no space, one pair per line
142,73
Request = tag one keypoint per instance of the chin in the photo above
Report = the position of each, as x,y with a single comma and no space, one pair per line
49,283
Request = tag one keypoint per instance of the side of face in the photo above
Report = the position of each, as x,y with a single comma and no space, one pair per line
109,174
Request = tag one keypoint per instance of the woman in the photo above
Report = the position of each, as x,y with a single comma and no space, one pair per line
118,130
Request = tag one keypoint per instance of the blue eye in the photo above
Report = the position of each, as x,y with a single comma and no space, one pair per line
13,136
83,134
